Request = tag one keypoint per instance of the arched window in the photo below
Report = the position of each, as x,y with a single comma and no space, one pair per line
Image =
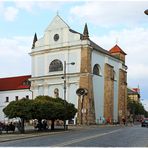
97,70
56,65
56,92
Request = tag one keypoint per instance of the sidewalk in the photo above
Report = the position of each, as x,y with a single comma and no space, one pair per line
31,132
12,136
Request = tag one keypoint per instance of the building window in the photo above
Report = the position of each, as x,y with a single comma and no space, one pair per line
56,65
26,83
16,98
7,99
56,93
97,70
27,97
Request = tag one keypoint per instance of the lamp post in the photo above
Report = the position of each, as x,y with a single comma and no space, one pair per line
64,77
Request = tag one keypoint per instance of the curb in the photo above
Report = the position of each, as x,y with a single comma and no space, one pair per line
25,136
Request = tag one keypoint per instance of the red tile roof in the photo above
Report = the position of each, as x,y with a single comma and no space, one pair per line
14,83
116,49
136,89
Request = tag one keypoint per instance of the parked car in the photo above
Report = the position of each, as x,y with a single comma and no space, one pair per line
144,122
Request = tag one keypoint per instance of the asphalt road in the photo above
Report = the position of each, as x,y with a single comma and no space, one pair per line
115,136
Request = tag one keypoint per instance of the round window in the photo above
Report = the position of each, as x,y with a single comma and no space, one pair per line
56,37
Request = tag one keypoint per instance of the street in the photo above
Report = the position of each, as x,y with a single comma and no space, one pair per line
108,136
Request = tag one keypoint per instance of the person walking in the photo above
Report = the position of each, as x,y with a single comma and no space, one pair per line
123,120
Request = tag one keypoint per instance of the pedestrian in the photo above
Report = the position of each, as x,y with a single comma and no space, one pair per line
11,127
108,120
44,125
1,127
103,120
123,120
131,120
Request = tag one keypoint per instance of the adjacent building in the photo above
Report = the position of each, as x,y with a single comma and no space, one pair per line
134,94
13,88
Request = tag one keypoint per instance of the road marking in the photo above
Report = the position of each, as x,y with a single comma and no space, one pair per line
83,139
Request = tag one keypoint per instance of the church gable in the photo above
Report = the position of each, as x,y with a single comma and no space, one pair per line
57,23
57,34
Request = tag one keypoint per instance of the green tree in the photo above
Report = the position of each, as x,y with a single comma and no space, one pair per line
42,107
49,108
21,108
136,108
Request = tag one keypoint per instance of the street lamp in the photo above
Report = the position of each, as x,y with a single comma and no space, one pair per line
64,77
81,92
146,11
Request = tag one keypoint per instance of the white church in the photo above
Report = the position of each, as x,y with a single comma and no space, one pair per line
67,64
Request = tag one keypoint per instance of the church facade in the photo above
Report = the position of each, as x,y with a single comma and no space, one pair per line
67,64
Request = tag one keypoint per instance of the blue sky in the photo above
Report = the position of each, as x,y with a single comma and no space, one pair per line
109,22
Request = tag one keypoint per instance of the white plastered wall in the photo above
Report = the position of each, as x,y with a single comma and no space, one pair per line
12,95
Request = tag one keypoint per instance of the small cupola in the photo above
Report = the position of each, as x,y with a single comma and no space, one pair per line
118,53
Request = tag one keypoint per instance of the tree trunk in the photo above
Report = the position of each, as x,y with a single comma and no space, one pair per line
22,129
39,124
52,124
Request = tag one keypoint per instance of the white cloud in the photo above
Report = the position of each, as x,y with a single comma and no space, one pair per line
1,4
26,5
14,56
14,47
10,13
32,6
145,103
107,13
138,71
54,5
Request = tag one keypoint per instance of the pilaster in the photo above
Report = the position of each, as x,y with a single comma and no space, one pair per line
122,98
108,92
87,114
